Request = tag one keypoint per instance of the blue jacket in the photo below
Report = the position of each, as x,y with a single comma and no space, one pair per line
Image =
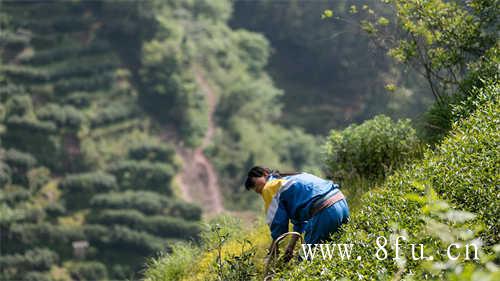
294,200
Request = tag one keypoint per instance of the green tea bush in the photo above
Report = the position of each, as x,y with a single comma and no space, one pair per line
149,203
16,123
37,259
436,121
145,201
88,84
464,168
63,116
143,175
66,51
112,114
371,149
120,236
78,189
16,194
55,210
56,237
19,105
88,271
473,91
171,266
19,163
37,276
78,99
93,182
25,74
187,211
152,152
158,225
5,174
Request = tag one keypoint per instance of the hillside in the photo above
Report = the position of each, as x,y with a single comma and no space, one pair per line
424,201
114,117
440,204
86,189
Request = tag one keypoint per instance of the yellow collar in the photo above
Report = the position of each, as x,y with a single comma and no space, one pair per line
269,190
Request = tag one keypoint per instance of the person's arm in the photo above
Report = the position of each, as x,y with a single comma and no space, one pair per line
277,219
299,226
289,249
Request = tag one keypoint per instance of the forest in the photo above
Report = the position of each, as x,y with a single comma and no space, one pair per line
127,129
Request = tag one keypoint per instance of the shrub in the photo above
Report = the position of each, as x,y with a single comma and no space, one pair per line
79,99
371,149
89,271
152,152
19,163
144,201
149,203
38,177
112,114
126,238
173,266
57,238
19,105
37,259
55,209
79,188
143,175
37,276
187,211
92,182
464,168
62,116
30,125
157,225
436,122
5,174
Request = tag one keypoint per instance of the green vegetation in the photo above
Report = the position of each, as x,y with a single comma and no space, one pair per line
422,201
80,160
98,97
331,72
435,195
371,149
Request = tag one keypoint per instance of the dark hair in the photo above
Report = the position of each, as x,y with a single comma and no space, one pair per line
258,171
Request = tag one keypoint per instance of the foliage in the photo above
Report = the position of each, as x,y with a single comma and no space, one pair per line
19,164
172,266
88,271
147,202
424,202
452,45
143,175
152,152
37,259
472,150
62,66
225,246
371,149
385,211
88,182
157,225
330,71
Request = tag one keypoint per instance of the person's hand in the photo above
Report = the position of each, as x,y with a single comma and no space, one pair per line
288,254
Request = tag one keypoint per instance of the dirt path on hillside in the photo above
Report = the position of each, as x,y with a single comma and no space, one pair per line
198,180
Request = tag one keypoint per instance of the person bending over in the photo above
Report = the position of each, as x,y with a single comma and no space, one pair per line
315,206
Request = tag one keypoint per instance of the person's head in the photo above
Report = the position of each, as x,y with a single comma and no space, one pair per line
257,178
